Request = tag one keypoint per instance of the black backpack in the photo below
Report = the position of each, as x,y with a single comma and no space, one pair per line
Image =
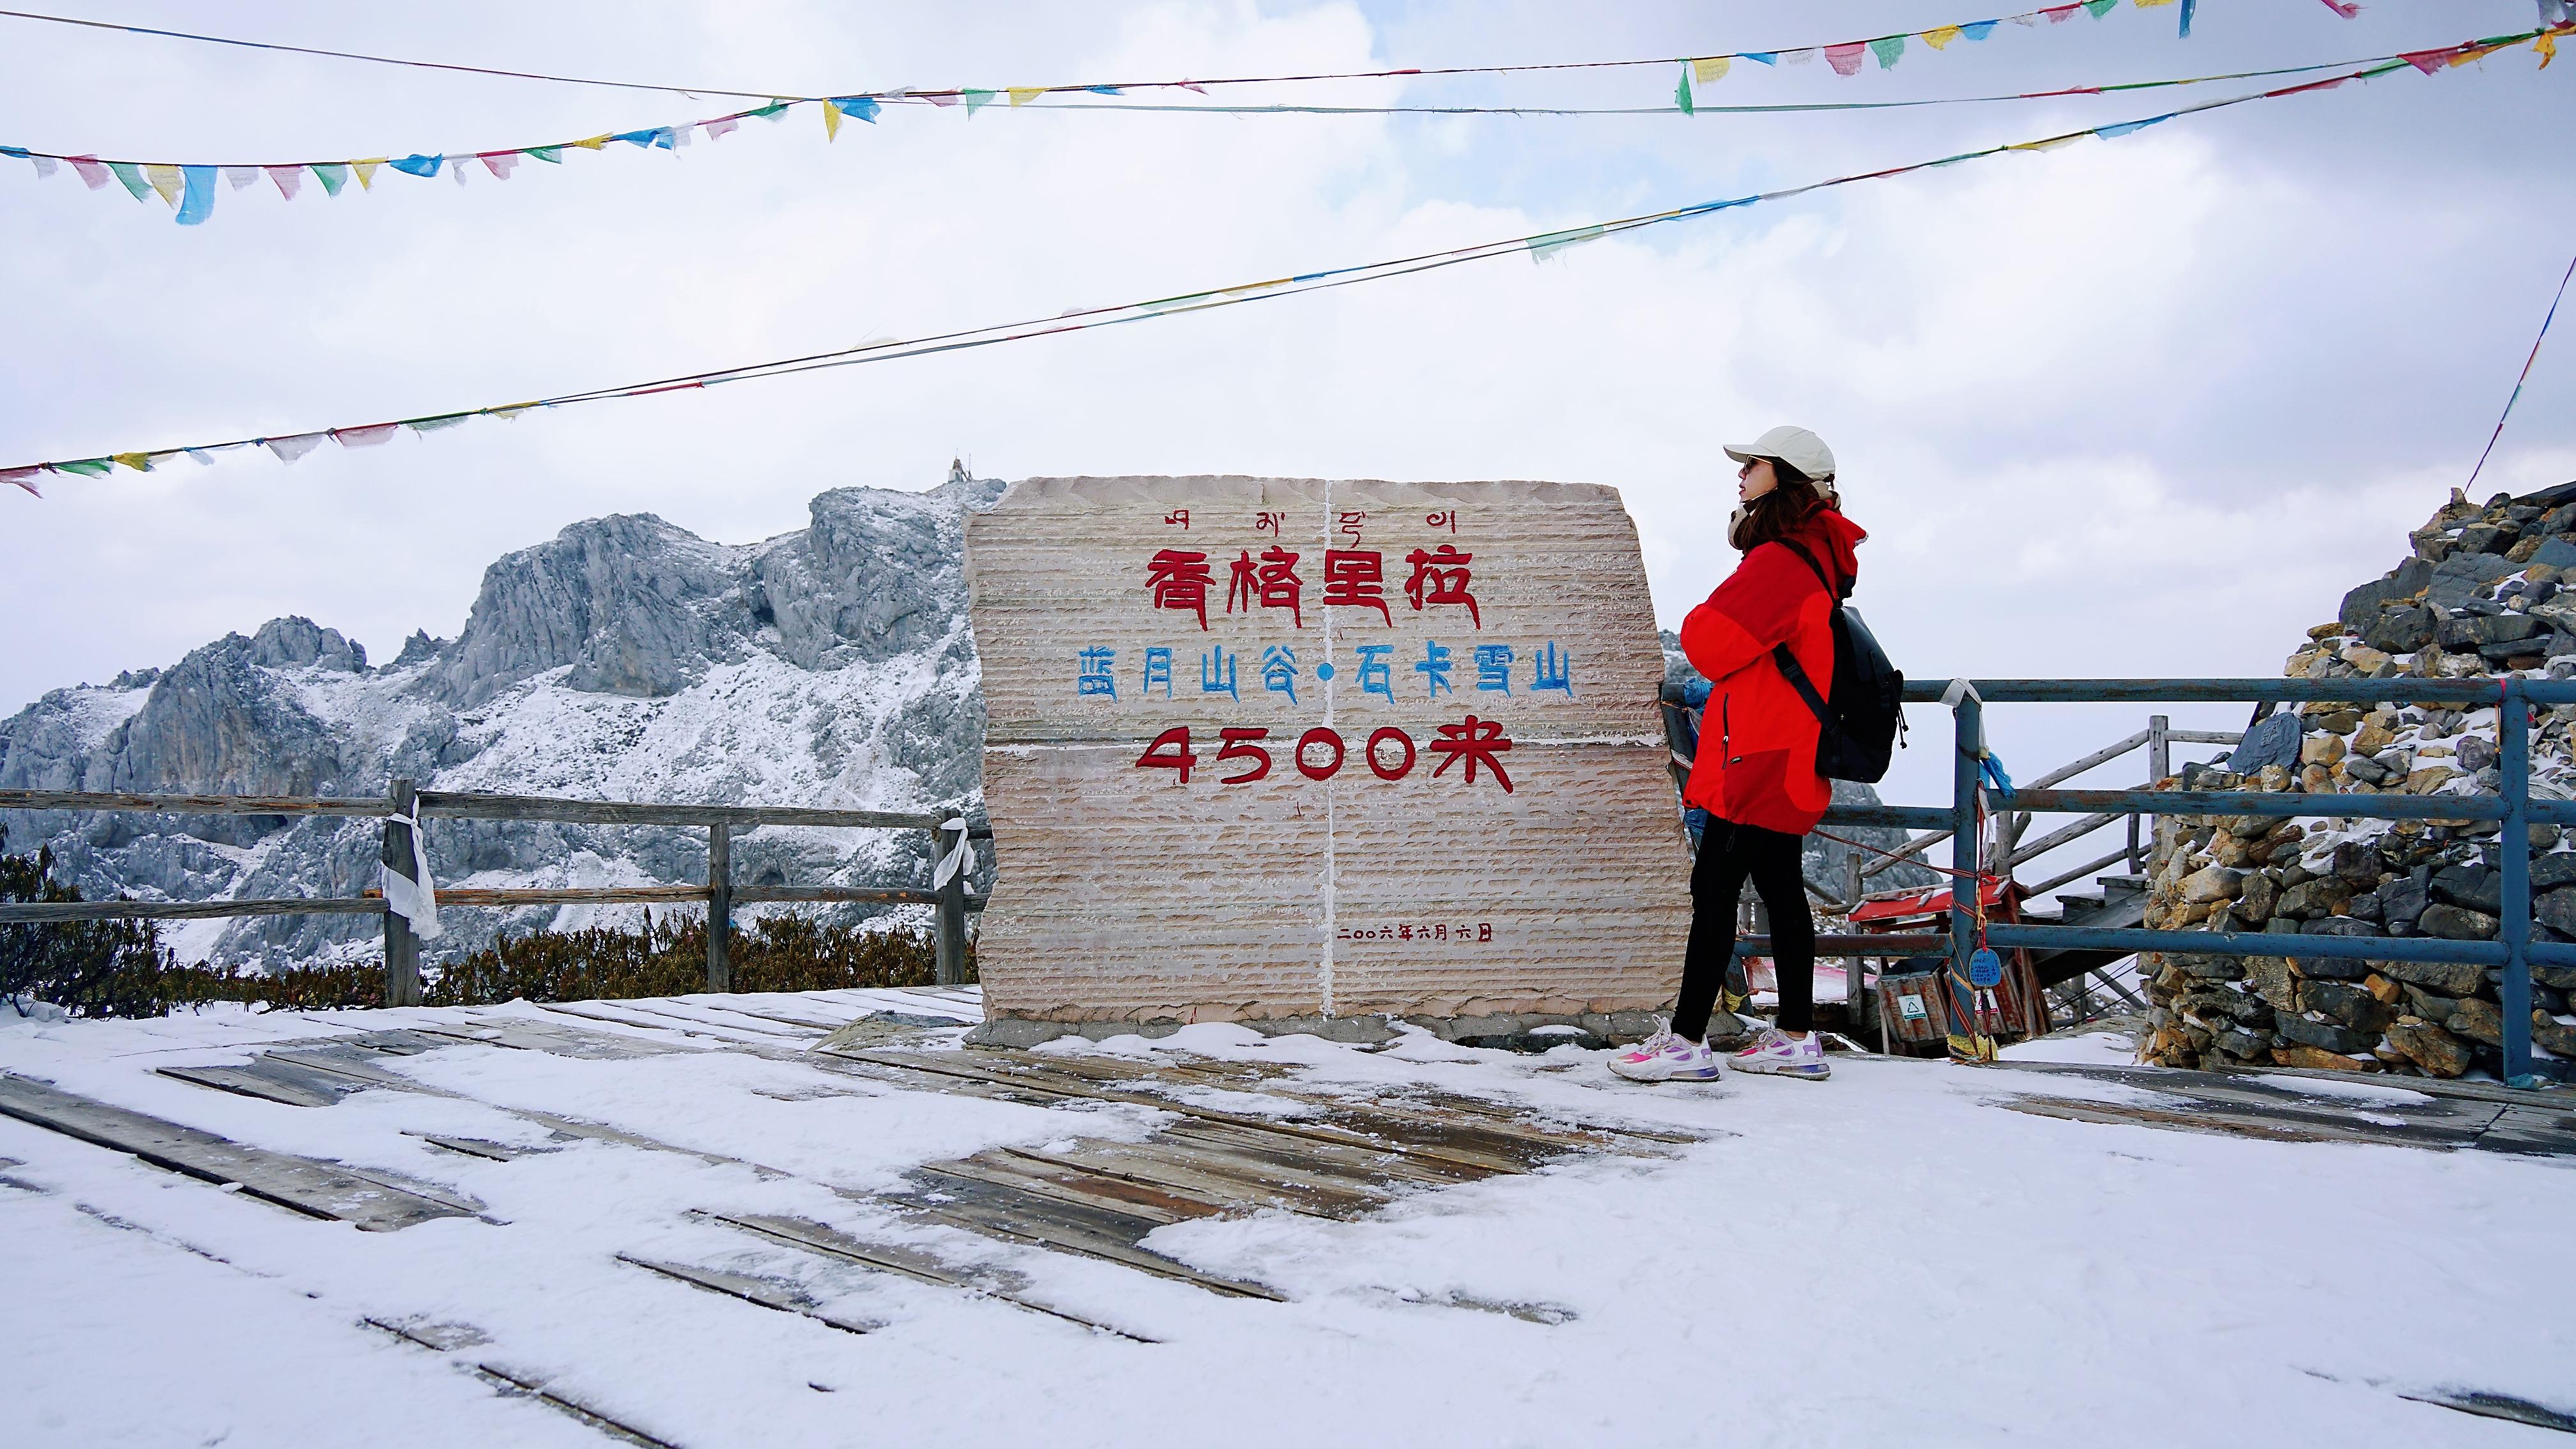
1863,714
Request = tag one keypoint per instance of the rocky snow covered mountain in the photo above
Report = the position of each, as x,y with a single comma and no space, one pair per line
625,659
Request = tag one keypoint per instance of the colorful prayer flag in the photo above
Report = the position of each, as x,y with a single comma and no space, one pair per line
1889,50
1543,247
593,143
1845,59
978,100
24,478
139,462
241,176
197,197
45,164
165,179
331,174
500,164
2547,46
2100,8
1767,57
367,437
1939,39
130,176
293,446
88,467
719,127
1710,71
1022,95
1980,30
431,425
831,121
1682,94
551,155
419,165
366,173
93,174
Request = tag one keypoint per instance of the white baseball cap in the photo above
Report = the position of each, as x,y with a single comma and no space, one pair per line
1796,447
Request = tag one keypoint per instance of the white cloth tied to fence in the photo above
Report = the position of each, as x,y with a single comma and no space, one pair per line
958,858
411,896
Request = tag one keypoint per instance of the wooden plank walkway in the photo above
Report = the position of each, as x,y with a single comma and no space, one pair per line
2278,1107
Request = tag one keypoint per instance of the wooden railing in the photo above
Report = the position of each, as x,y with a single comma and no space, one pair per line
950,901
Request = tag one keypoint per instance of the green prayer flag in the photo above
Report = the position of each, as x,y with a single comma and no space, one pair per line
547,153
1682,95
1888,50
2101,8
771,111
87,467
132,176
978,100
332,174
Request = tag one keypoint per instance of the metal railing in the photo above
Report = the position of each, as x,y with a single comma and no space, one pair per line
402,803
2512,807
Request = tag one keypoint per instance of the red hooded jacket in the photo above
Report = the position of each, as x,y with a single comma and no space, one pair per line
1757,738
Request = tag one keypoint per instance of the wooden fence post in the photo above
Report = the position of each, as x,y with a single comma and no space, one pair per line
719,906
402,948
948,930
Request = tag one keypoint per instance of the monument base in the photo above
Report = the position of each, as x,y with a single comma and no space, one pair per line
1522,1031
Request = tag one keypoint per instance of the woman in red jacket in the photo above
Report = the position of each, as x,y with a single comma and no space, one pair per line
1756,770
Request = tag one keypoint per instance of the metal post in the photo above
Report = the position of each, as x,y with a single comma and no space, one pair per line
2513,730
1968,717
948,931
719,907
402,948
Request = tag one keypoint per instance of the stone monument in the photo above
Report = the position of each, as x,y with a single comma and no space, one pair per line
1293,752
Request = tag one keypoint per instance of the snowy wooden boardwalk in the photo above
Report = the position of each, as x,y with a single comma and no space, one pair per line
696,1221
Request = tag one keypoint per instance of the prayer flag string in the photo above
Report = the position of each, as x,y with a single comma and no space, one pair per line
1539,246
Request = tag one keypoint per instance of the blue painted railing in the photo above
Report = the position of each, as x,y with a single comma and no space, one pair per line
2513,950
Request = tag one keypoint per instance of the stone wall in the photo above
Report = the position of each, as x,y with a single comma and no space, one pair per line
2482,596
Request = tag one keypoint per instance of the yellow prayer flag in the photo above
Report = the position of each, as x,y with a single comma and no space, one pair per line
139,462
1940,39
2547,46
165,178
2151,4
1022,95
1710,71
2053,142
2479,52
831,122
593,143
367,171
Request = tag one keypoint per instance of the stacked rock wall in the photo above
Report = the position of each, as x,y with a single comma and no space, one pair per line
2490,590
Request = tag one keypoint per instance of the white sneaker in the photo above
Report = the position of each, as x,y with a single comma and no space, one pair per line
1774,1054
1665,1057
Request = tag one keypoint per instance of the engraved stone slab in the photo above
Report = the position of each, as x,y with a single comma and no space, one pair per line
1249,741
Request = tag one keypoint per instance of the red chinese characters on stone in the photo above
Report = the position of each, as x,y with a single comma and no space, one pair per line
1356,578
1179,579
1272,584
1441,576
1477,741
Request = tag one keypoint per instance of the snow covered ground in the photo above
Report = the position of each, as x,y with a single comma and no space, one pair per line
1885,1258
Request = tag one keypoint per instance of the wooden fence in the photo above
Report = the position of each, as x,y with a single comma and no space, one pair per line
950,901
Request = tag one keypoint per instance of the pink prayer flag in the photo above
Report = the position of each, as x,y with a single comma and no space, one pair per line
946,99
2429,61
366,437
500,164
92,173
241,176
23,477
2344,8
1194,86
289,179
2056,13
719,128
1845,59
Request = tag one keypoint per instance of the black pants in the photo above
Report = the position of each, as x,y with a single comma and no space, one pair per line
1728,854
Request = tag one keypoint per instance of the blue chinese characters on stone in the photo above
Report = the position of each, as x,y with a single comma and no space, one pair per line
1093,676
1216,673
1549,669
1494,668
1376,675
1158,670
1279,671
1434,668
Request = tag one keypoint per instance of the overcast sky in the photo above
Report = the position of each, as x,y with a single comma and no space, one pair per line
2123,408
